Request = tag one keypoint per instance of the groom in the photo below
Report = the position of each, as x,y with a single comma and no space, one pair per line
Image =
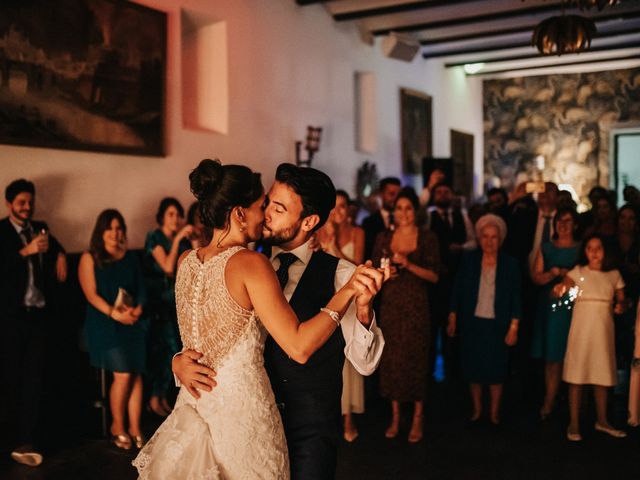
308,395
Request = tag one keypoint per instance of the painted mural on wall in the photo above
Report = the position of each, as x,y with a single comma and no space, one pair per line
563,119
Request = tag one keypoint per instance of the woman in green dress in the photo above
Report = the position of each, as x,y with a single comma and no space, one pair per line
551,327
163,246
115,330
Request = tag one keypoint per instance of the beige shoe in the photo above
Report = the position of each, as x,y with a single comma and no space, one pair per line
614,432
573,437
32,459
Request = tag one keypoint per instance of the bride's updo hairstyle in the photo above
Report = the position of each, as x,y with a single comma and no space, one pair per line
220,188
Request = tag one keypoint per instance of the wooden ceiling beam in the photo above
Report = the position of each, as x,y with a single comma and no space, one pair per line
481,33
302,3
391,9
603,48
509,46
486,17
551,65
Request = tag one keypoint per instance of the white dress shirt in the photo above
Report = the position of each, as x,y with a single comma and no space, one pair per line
386,217
537,239
363,346
33,297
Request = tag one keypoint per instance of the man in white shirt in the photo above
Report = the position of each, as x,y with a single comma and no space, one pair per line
308,395
547,203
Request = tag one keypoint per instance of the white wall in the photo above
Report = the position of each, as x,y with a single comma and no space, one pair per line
288,67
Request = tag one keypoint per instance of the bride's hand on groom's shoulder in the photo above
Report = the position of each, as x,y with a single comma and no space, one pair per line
192,375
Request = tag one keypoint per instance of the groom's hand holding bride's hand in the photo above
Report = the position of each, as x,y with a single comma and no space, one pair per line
367,281
191,374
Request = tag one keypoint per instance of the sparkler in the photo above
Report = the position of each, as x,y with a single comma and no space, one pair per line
568,299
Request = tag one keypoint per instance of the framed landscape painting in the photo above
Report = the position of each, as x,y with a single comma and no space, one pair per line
415,125
82,75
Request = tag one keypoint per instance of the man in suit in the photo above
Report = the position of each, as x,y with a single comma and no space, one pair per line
382,219
31,262
308,395
455,234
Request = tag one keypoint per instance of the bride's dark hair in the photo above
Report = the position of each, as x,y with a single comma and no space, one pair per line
219,188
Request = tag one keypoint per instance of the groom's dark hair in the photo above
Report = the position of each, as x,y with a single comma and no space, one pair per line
314,187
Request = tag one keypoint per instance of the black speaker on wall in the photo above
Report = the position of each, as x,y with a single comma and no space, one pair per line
429,164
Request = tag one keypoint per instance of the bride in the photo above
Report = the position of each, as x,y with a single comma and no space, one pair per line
228,298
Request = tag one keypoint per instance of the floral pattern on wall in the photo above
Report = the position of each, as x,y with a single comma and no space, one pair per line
564,118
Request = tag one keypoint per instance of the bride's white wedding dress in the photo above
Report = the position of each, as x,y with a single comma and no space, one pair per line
234,431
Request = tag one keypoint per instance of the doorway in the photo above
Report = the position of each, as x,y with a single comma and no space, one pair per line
626,160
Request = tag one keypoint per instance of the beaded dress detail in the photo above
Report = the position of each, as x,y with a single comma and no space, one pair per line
234,431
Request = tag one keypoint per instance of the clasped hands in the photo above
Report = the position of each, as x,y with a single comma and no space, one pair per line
510,339
127,315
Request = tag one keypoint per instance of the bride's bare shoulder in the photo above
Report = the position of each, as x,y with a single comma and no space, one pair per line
183,256
249,260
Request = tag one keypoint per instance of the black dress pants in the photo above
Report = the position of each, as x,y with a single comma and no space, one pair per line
313,449
22,350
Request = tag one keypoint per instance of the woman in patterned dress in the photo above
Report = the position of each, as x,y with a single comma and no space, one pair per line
404,311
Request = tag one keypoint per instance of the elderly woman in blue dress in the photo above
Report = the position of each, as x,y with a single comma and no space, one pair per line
485,312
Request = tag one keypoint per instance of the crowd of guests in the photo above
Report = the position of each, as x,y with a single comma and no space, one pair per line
523,270
130,324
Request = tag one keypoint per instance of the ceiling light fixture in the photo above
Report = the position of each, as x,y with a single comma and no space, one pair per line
565,33
589,4
472,68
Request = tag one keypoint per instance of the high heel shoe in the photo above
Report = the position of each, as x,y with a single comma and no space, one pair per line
392,431
573,437
350,435
122,441
138,440
415,434
156,408
614,432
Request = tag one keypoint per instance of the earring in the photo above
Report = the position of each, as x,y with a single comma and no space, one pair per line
243,226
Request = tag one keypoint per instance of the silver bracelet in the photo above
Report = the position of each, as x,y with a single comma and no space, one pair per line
335,316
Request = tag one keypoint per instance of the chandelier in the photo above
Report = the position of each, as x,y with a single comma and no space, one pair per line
589,4
563,34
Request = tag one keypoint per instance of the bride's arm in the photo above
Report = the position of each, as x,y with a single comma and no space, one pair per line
298,340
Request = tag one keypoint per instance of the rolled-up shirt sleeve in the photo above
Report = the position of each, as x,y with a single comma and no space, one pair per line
364,345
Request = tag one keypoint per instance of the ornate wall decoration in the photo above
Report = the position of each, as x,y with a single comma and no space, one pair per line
564,118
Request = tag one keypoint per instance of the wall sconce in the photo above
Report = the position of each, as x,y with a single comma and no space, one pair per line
312,145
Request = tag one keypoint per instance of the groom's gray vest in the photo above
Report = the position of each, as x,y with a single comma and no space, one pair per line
309,393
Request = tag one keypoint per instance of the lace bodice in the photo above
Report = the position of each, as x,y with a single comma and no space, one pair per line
210,320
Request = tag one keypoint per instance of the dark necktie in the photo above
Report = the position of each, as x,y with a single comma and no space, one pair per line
546,230
35,260
286,259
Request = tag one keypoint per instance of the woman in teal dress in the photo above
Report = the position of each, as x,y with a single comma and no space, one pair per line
116,332
163,247
551,327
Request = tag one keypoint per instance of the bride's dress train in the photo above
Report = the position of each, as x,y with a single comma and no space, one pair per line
234,431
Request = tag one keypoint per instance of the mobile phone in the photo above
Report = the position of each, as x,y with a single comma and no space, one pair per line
535,187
